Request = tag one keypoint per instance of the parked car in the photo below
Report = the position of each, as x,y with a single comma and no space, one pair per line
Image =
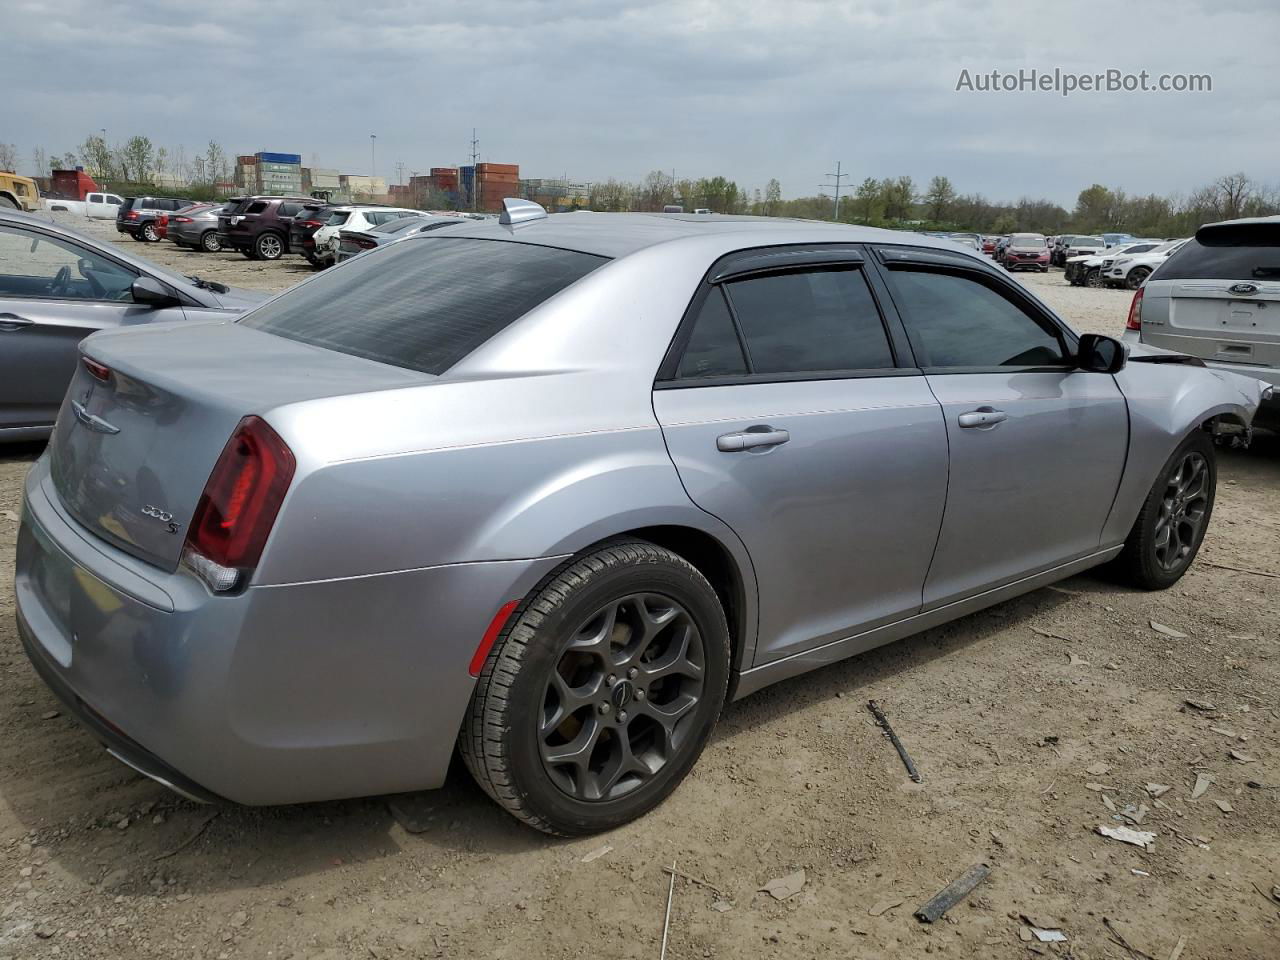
1086,270
1217,297
1026,251
971,240
137,215
1074,245
989,245
57,286
258,227
351,217
96,205
1130,270
354,242
304,225
500,486
196,227
18,193
1116,239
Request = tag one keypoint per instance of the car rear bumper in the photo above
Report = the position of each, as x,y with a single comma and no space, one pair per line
283,694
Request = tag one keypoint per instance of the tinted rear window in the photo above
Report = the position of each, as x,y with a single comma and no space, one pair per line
1194,261
337,218
424,304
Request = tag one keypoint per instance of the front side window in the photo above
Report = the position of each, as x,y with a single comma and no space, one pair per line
954,320
810,322
35,265
423,304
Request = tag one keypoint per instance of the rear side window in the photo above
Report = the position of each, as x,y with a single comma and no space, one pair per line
955,321
1194,261
288,209
809,322
256,207
713,349
423,304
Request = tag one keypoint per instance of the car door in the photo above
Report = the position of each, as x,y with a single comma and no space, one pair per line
53,293
1037,446
789,417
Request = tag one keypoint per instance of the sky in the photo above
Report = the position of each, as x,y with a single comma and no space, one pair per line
594,89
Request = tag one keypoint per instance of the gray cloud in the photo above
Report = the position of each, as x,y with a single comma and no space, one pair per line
595,88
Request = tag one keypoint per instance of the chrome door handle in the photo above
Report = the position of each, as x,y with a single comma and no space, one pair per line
732,442
12,323
982,417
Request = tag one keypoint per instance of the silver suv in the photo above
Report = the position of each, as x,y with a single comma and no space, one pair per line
1218,298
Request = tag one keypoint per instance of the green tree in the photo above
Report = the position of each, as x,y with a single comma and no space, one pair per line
97,156
939,199
867,200
772,198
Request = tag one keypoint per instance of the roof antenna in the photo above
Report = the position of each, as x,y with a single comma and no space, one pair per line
518,211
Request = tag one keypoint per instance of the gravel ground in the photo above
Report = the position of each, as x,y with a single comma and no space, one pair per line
1029,722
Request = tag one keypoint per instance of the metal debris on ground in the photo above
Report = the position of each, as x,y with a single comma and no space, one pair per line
700,881
666,922
1204,705
783,888
883,723
1135,813
1139,838
1224,806
1049,936
597,853
1203,782
1242,757
1167,631
191,838
952,893
884,906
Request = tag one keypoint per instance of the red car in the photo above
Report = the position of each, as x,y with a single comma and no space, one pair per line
989,245
1026,251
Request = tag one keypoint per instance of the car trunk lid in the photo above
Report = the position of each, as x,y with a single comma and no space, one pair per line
149,411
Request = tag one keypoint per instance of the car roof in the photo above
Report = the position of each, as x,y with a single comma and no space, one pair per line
621,234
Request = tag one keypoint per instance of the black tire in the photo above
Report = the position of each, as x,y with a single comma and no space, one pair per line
268,246
139,237
500,740
248,253
1140,563
8,204
1093,279
1134,280
209,242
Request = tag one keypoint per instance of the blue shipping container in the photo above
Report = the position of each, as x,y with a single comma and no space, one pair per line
280,157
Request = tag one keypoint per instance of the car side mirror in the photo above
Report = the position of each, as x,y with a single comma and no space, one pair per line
152,293
1099,354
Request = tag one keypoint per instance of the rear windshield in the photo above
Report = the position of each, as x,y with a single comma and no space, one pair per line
1087,242
1194,261
337,218
423,304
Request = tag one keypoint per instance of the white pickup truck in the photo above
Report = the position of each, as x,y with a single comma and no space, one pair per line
95,206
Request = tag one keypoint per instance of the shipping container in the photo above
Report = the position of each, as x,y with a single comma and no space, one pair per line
498,168
280,157
246,161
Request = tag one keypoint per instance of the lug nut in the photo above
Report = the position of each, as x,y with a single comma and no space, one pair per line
610,680
633,673
604,709
639,694
622,716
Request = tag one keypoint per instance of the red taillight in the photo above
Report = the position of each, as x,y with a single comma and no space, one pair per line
312,223
1135,312
364,244
183,220
132,215
96,370
239,505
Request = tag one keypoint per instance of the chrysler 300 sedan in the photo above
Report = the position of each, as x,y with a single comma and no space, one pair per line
551,490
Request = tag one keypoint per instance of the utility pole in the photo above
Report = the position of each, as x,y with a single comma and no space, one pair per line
373,158
400,172
475,174
839,178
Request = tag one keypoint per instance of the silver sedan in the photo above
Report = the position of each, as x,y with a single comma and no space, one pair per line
553,490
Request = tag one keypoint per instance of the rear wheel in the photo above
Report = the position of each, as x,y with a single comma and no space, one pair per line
209,242
1094,279
268,246
1172,522
149,233
1136,276
601,691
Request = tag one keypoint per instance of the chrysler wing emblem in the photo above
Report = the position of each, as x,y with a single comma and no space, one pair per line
1242,289
94,423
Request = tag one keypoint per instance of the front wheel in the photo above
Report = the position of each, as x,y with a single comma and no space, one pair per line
209,242
1172,522
1094,279
600,692
1136,276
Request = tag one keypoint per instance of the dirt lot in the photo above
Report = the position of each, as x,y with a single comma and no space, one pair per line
1029,722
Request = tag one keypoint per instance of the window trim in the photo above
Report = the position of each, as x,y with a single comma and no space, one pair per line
753,262
927,260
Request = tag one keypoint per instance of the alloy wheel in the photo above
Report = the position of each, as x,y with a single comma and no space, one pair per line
269,247
1183,509
150,233
615,705
210,242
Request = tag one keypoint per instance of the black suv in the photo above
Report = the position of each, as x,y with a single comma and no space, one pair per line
303,229
259,226
137,216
